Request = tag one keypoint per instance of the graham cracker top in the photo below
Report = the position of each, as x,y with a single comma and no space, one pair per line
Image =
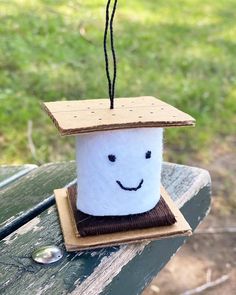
83,116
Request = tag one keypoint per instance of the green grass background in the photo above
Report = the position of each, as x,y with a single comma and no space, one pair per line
181,51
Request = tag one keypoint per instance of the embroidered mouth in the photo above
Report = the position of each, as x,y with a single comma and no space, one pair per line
130,188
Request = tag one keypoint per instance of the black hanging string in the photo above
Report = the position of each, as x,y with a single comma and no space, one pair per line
109,25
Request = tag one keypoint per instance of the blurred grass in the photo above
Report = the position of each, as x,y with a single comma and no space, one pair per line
182,51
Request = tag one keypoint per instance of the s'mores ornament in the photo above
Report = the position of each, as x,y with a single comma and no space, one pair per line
119,151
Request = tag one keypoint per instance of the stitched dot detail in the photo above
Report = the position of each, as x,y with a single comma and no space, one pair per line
112,158
148,154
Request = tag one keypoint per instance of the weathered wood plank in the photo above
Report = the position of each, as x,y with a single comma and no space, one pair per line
183,182
145,266
102,271
17,266
10,173
28,196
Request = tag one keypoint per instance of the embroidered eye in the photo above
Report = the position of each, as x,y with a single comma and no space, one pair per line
148,154
112,158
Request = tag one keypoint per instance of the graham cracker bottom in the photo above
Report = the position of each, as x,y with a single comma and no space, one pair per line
88,225
76,243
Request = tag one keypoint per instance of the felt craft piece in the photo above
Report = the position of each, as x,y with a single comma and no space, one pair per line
119,171
76,243
88,225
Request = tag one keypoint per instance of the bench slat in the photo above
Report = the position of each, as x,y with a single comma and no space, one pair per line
139,272
28,196
8,174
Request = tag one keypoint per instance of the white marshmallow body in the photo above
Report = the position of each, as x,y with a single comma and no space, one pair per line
138,190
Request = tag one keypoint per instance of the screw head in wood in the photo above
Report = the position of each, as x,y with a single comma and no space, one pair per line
47,254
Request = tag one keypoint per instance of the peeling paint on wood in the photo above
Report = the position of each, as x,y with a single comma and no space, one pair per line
42,291
32,225
156,254
108,268
104,271
20,272
28,196
183,182
8,174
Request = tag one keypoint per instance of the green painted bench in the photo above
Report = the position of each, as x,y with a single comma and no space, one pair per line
29,220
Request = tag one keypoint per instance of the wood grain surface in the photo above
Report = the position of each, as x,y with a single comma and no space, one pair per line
31,194
10,173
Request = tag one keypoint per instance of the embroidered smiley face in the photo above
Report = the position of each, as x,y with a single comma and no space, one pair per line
112,158
119,171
